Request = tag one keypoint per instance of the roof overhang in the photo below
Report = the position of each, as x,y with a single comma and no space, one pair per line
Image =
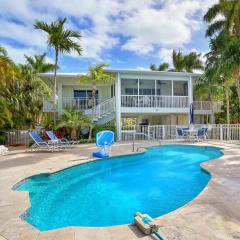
125,71
151,72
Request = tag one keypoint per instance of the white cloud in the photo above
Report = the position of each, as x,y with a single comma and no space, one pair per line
17,54
148,26
165,54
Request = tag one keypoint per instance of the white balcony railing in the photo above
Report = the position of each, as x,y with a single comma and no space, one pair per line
152,101
134,101
79,103
48,106
216,106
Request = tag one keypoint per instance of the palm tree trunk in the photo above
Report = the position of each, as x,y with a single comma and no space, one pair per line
236,73
237,83
90,135
94,94
74,134
94,99
55,87
227,106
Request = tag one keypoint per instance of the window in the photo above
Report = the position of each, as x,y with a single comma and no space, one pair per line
164,87
180,88
146,87
129,86
84,93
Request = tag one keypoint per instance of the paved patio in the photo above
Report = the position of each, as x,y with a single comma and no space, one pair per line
214,214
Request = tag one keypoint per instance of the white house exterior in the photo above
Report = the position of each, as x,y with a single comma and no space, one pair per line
146,97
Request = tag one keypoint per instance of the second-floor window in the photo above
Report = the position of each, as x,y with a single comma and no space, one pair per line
84,94
180,88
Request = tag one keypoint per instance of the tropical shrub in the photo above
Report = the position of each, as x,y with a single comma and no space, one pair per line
108,126
74,120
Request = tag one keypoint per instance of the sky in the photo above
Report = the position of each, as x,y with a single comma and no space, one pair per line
122,33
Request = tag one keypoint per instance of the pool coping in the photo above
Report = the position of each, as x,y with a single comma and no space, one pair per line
206,166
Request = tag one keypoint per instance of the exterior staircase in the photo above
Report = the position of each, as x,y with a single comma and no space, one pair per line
103,112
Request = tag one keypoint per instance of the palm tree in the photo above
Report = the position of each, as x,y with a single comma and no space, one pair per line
188,62
3,51
38,63
62,41
223,17
153,67
228,25
34,89
193,62
162,67
6,115
74,120
178,61
96,75
217,74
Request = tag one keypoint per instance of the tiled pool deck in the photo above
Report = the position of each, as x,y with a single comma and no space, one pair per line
214,214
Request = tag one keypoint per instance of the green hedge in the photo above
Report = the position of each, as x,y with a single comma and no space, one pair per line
98,128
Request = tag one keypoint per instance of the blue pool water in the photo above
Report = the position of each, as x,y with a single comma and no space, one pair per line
109,192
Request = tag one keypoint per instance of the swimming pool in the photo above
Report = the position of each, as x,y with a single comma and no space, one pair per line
109,192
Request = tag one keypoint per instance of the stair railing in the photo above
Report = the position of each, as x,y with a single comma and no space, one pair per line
101,109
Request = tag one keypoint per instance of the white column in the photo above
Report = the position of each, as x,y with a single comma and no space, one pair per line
190,91
190,95
118,106
59,101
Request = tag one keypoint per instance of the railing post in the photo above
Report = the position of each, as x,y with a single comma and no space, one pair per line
163,132
148,132
221,132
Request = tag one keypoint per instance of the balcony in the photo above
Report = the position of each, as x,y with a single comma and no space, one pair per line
179,103
215,106
152,101
78,103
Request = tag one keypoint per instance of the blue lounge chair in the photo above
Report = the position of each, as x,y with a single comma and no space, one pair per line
40,144
64,142
181,133
104,140
201,134
206,132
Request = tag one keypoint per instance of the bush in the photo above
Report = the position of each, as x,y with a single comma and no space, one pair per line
108,126
84,140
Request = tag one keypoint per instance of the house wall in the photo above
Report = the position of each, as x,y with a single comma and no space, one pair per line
104,91
169,119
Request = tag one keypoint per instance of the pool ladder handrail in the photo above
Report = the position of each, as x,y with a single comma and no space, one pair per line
149,137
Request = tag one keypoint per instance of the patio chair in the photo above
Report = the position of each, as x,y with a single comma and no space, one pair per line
200,134
3,150
206,132
64,141
181,133
40,144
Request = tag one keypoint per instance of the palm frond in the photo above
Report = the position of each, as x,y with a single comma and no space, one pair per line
212,13
215,27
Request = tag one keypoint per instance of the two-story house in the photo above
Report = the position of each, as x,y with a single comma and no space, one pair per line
147,97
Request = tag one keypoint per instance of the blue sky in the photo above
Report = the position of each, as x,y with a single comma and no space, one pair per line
122,33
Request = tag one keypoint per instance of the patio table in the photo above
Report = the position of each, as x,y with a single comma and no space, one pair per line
191,133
